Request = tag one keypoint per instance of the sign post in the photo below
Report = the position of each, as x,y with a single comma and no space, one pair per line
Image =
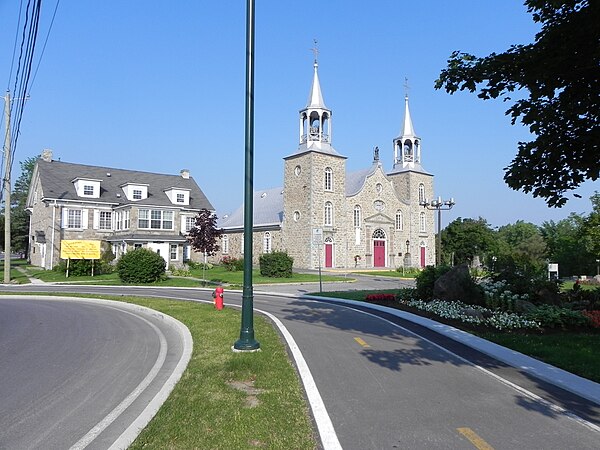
317,239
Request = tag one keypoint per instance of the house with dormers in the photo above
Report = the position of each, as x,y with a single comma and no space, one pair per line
123,209
324,216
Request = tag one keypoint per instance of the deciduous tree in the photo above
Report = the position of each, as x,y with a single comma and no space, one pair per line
558,79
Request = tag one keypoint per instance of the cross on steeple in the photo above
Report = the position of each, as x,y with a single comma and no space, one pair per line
315,50
406,87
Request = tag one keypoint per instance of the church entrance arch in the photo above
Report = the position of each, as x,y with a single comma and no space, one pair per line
379,248
328,252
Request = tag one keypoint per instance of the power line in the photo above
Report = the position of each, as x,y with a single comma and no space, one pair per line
45,42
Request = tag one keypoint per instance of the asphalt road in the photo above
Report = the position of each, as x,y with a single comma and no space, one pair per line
80,373
386,387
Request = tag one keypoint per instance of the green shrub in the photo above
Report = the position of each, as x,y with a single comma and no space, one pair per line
276,265
426,280
232,264
141,266
549,316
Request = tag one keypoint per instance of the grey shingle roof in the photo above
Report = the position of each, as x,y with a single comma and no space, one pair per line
267,210
57,182
417,168
356,180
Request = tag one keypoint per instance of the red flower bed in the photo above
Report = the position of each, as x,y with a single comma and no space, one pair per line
380,298
594,317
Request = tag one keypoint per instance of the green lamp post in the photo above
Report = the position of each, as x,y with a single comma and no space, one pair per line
246,342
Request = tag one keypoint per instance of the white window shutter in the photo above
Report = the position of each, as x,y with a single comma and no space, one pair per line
96,222
84,219
65,218
183,221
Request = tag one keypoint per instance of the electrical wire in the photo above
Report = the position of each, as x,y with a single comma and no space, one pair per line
44,47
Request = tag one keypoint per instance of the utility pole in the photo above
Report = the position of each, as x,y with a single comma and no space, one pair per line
7,189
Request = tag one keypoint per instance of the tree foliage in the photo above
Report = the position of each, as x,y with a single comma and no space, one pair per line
558,77
463,239
204,234
19,219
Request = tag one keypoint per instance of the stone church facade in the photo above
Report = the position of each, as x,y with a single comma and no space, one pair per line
324,216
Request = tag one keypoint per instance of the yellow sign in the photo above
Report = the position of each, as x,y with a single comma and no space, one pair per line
80,249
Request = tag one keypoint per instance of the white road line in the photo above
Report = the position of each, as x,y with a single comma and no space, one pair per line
118,410
326,431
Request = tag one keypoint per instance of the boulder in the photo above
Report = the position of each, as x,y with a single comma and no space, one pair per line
454,284
523,306
470,312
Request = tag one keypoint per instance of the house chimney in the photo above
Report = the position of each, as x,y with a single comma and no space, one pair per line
185,173
47,155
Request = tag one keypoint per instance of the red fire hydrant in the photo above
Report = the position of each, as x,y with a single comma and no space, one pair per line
218,295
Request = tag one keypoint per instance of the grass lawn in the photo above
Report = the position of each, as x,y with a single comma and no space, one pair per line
206,411
575,352
216,275
389,273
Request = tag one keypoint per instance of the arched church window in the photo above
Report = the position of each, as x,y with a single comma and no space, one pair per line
225,243
267,242
421,193
378,234
328,179
328,214
399,220
357,216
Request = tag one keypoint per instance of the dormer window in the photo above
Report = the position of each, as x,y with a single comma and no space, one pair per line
135,191
178,196
86,187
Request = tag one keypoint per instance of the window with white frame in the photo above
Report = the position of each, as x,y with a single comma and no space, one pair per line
137,245
328,179
357,216
399,221
180,198
328,214
126,221
88,189
74,218
190,221
422,226
155,219
225,244
137,194
118,221
173,253
105,220
421,193
267,242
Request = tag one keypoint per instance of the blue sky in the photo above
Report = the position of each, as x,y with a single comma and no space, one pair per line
159,86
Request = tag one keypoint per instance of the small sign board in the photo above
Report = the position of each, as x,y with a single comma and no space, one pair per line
317,236
79,249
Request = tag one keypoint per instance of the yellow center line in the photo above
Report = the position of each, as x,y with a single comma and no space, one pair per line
362,343
475,439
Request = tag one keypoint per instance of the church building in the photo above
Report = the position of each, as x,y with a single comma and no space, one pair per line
324,216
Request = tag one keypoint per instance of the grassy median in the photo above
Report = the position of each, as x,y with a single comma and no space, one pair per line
228,400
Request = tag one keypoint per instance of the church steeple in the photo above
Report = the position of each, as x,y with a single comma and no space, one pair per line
407,146
315,118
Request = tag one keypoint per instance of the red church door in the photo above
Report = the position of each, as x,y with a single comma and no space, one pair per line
328,255
378,253
422,257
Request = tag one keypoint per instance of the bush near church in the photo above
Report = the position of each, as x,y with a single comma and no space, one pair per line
141,266
276,265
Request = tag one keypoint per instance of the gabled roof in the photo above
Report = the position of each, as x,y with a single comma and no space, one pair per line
57,183
267,210
356,180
